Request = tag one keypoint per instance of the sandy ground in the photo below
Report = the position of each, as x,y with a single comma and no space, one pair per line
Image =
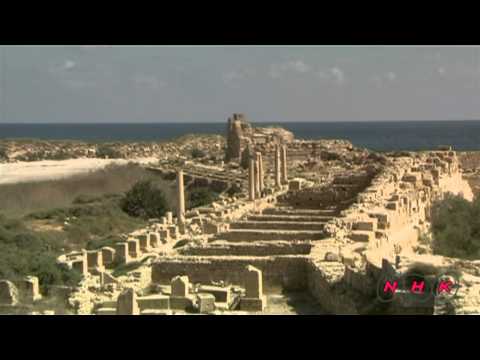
51,169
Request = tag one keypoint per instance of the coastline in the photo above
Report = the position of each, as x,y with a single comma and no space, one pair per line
44,170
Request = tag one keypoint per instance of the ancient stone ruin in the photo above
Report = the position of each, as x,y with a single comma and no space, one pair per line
321,218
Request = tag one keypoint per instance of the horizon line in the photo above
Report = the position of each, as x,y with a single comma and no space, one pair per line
222,122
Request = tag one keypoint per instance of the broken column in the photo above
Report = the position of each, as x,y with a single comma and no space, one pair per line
277,168
127,303
254,299
180,198
251,180
257,178
260,167
284,176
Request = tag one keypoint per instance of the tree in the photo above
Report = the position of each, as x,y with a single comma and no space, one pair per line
456,227
201,197
198,153
144,200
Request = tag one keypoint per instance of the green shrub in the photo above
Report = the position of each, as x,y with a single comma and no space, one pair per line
234,190
456,227
108,152
198,153
144,200
201,197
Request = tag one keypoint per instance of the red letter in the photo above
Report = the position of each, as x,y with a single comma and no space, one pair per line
445,285
418,286
390,287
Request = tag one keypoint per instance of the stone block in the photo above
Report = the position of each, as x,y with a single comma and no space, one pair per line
184,303
180,286
221,294
206,303
28,289
122,255
362,236
253,304
144,242
156,301
8,293
133,248
108,255
154,238
106,311
127,303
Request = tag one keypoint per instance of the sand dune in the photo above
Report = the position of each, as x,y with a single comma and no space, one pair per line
56,169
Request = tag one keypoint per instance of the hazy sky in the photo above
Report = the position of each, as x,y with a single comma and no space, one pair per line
207,84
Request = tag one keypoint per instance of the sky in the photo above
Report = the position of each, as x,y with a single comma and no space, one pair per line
77,84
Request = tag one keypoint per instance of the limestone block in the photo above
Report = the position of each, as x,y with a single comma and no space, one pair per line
206,303
184,303
363,236
133,248
144,242
108,255
154,239
8,293
180,285
28,289
127,303
221,294
253,304
156,302
121,253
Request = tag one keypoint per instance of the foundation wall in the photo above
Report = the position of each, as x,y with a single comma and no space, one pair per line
280,272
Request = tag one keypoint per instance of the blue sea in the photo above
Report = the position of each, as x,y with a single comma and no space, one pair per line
382,136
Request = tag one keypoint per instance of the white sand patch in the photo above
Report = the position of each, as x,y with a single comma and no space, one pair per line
57,169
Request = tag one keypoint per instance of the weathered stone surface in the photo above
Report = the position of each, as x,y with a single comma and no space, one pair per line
8,293
127,303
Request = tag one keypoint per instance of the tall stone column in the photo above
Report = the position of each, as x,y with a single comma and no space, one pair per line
257,178
180,198
284,165
260,168
251,179
277,167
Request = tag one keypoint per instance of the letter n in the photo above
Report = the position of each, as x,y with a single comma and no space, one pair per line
389,287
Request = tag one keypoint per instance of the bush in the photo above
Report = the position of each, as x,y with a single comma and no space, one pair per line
108,152
144,200
234,190
456,227
200,197
198,153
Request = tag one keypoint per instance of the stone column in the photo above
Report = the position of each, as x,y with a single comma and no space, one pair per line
260,170
251,180
284,165
257,178
277,167
180,198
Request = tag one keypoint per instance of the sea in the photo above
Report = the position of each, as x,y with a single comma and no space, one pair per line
374,135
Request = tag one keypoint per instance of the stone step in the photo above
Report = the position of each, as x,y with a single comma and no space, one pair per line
257,248
106,311
290,218
305,212
277,225
269,235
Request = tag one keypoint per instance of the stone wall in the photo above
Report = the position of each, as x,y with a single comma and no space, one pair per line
280,272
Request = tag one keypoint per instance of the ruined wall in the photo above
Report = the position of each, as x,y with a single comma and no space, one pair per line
280,272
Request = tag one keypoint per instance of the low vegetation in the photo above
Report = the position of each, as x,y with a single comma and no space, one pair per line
456,227
145,200
200,197
40,221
